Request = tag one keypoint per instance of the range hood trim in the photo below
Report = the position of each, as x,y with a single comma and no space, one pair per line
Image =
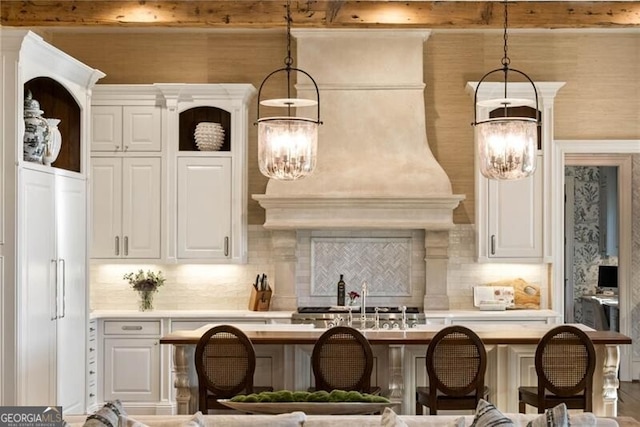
326,212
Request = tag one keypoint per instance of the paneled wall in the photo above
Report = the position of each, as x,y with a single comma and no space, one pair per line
601,99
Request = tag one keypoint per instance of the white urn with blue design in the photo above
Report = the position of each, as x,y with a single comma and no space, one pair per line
36,131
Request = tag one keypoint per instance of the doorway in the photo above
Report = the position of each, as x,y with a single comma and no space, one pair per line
591,244
616,153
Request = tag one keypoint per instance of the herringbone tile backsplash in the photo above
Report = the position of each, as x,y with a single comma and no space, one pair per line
384,263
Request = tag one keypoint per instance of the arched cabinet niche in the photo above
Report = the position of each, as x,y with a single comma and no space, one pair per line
57,103
190,118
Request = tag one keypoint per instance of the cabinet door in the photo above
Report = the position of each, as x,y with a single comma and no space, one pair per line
141,128
141,207
71,242
106,200
131,369
204,208
106,128
515,217
36,290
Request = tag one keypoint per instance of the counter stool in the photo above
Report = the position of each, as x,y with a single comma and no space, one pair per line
456,363
565,363
225,362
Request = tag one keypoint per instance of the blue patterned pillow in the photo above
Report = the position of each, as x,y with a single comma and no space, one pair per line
488,415
558,416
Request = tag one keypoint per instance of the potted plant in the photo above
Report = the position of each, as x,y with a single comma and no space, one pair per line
146,284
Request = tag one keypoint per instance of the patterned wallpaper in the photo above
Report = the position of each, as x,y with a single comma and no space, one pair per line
586,249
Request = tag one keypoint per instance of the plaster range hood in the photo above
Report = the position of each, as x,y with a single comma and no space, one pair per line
375,169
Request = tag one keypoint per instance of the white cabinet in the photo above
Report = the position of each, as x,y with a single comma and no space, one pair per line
514,217
52,262
126,202
204,207
207,205
126,128
512,220
44,229
131,361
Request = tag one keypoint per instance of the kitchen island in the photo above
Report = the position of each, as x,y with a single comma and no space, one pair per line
400,361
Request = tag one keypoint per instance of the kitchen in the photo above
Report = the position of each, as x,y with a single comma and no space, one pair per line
452,57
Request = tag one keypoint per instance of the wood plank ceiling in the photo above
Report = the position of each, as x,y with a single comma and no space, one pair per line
320,14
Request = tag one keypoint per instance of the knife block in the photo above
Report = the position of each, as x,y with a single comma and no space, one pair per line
259,300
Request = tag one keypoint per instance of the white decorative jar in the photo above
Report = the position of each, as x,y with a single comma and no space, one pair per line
54,142
36,131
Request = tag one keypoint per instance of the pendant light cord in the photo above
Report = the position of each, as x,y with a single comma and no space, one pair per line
288,61
505,59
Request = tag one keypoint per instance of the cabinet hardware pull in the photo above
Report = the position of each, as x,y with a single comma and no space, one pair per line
92,372
226,246
493,244
117,148
126,147
132,328
92,329
126,245
55,262
64,287
91,349
91,395
117,245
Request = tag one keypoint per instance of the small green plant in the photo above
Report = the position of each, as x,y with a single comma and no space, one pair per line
145,282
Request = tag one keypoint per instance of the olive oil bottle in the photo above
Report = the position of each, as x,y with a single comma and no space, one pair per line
341,290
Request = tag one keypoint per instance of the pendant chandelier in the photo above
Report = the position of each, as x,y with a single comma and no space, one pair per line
506,145
288,145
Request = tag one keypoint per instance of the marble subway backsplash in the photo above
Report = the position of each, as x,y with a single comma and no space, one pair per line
227,287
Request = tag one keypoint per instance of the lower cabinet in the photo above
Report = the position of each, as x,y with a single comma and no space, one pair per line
131,361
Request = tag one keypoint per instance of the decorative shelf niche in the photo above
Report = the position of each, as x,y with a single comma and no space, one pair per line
190,118
57,102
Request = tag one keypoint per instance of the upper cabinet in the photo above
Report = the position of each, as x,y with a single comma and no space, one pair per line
512,220
126,128
207,155
169,172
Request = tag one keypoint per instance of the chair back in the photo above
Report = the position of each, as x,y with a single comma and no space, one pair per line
565,362
342,359
225,362
456,363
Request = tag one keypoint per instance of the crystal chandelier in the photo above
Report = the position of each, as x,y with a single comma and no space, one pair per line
506,145
288,145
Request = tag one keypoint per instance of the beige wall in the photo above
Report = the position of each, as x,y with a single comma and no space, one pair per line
601,99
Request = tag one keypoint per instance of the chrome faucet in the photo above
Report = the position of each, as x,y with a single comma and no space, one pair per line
376,319
404,317
350,318
363,308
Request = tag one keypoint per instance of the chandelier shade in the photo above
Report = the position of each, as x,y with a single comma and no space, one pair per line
288,145
507,145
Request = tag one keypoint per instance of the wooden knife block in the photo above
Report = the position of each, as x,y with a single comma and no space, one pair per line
259,300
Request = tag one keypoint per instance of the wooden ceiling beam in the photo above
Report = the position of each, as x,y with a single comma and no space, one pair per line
320,14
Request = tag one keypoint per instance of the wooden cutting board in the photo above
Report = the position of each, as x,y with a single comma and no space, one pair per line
526,295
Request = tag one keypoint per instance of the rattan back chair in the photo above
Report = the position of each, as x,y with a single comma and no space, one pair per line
456,362
565,362
225,362
342,359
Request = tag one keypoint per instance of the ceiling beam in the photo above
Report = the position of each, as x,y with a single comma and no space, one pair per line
320,14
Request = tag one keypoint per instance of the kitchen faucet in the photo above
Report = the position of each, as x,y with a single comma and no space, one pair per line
363,308
404,317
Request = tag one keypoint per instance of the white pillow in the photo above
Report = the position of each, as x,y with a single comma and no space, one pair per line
558,416
391,419
126,421
196,421
458,422
488,415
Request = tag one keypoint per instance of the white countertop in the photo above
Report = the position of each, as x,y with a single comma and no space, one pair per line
190,314
478,314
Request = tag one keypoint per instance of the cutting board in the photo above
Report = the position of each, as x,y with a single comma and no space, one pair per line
525,295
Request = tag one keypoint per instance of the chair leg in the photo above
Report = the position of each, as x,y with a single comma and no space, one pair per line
433,411
419,410
522,407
